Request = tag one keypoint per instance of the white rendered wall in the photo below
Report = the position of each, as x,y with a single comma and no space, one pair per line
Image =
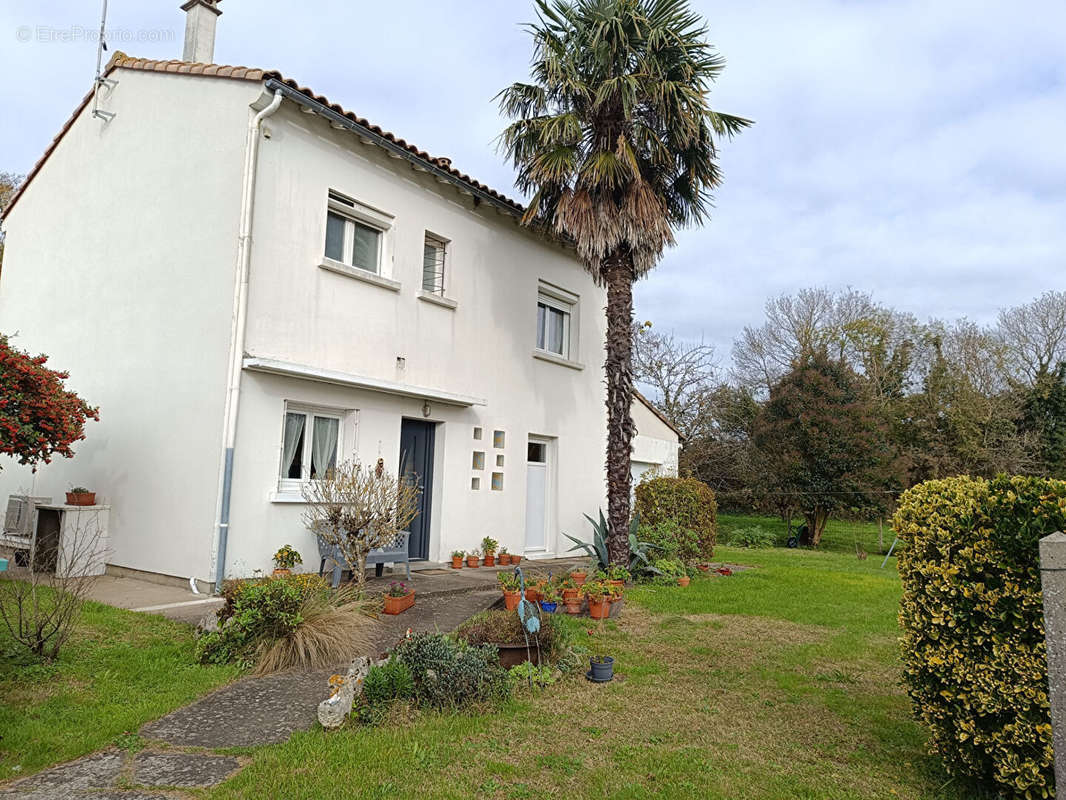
656,443
119,266
303,314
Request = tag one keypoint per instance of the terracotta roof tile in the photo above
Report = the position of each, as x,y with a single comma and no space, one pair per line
121,61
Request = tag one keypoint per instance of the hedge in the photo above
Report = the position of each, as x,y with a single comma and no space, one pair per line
687,501
973,629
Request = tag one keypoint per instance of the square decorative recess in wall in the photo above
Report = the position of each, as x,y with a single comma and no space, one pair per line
477,434
479,460
475,483
497,481
498,440
499,460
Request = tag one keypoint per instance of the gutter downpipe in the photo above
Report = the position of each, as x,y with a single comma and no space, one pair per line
237,333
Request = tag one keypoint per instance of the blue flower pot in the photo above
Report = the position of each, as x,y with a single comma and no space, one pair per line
549,608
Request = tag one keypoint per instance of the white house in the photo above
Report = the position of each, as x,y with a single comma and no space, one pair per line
253,283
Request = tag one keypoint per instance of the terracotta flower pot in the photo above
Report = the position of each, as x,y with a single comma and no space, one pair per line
397,605
457,563
619,585
505,559
510,600
704,567
571,595
473,561
599,607
573,606
684,580
81,498
280,572
579,578
532,595
516,560
490,560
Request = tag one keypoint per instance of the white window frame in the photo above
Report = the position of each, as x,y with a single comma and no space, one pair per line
294,486
443,245
355,213
565,302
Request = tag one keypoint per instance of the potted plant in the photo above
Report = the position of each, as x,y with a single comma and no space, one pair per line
601,669
571,594
510,585
398,598
473,558
457,558
503,556
488,545
598,594
533,588
285,559
684,580
549,598
516,559
617,576
580,576
80,496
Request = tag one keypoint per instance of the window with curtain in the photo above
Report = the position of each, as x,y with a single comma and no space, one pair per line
310,447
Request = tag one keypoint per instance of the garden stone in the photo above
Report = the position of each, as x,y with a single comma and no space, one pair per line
182,769
334,709
1053,585
99,770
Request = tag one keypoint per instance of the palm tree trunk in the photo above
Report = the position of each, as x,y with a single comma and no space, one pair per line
617,272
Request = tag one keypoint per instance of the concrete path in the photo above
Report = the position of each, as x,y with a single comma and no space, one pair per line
175,602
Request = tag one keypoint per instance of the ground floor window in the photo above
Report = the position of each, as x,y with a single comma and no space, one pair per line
310,446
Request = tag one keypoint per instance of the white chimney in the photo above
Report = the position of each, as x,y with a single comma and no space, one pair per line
200,19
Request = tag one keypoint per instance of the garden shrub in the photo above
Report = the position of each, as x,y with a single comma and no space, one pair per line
669,570
755,536
259,610
973,630
687,502
447,673
670,540
387,682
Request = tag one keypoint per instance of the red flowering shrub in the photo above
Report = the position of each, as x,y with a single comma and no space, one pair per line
38,415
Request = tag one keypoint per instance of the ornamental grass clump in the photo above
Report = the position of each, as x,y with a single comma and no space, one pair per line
973,629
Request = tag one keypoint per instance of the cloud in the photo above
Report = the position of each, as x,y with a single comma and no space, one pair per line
904,147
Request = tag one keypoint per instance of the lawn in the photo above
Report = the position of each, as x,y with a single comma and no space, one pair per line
118,671
778,682
840,536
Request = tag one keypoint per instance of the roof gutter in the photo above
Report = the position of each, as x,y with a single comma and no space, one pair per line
338,119
237,334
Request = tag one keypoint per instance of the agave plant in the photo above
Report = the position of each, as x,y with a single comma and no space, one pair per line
639,561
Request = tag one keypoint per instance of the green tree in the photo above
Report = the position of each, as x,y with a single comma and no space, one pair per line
1044,418
822,442
616,141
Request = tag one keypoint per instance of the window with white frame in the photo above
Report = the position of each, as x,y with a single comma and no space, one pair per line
555,312
352,237
310,446
434,254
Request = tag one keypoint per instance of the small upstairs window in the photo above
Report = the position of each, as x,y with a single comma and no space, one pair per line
350,239
553,325
434,256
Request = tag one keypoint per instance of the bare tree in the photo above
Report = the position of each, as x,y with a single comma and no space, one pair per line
40,605
358,509
682,374
9,184
1034,335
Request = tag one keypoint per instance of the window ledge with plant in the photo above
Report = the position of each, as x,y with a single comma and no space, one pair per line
360,274
544,355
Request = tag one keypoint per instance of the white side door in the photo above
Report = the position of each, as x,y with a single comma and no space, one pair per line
536,495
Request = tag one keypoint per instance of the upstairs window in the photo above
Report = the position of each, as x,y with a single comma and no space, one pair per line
553,325
434,257
351,239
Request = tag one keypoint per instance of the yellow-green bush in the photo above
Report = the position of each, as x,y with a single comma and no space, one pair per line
973,628
686,501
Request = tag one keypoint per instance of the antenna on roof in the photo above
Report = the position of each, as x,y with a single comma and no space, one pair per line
100,80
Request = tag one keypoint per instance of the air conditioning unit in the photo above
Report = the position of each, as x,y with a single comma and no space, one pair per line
19,521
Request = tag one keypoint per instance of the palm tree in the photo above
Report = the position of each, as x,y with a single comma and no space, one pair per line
615,141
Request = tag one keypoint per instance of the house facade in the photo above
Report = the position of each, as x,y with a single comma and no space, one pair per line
254,285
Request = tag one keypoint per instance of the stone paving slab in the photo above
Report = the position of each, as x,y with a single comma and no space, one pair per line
182,769
96,771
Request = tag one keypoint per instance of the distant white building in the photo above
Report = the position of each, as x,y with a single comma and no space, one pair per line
254,284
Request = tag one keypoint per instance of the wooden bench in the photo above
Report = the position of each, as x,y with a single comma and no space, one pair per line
395,553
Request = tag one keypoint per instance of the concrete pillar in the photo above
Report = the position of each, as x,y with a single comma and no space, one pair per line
1053,583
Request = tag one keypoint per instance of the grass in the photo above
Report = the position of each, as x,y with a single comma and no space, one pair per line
840,536
778,682
118,671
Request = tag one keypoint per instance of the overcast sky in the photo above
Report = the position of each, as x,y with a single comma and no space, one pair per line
916,150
